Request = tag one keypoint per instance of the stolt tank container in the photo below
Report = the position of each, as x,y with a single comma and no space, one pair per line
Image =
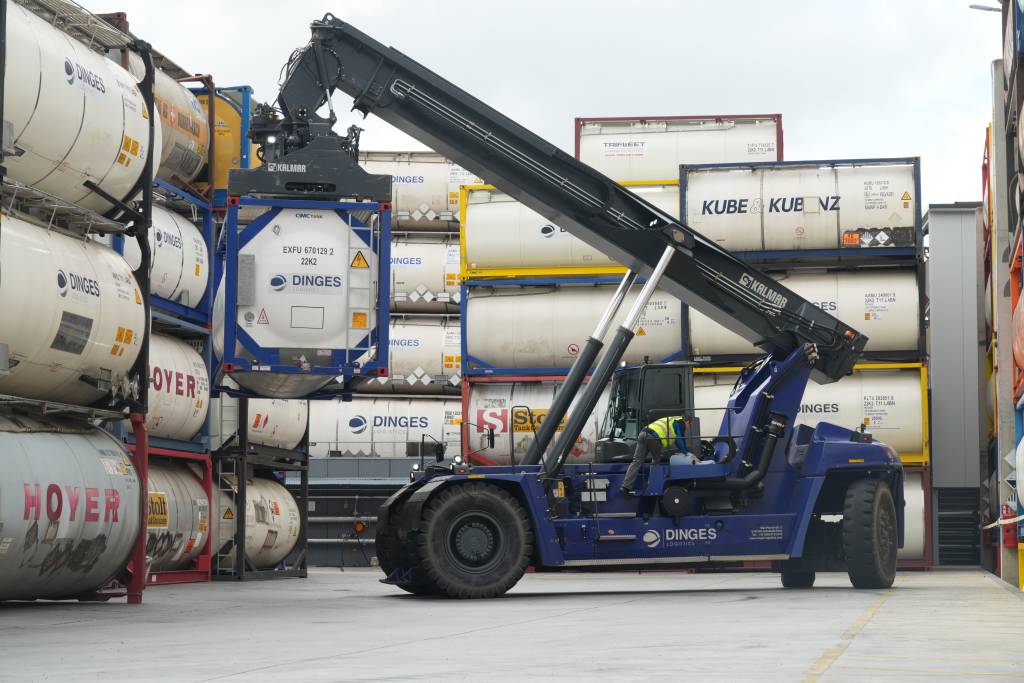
69,508
652,148
884,304
424,357
272,521
888,402
59,90
180,262
424,186
79,310
830,204
179,515
515,410
307,291
272,422
179,389
545,326
424,275
381,427
499,233
184,127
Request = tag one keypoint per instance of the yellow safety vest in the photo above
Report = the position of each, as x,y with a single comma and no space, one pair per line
665,429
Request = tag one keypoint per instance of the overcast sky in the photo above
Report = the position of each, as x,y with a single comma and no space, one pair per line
851,78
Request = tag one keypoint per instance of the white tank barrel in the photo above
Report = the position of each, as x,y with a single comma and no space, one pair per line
184,126
652,148
80,311
883,304
1019,457
180,263
887,402
273,422
69,509
546,326
381,427
515,411
424,185
271,521
501,233
179,516
75,115
813,205
915,524
424,275
424,357
314,288
179,389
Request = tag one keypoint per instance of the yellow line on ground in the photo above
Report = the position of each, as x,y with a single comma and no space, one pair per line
830,655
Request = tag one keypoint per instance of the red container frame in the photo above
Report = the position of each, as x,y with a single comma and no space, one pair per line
581,120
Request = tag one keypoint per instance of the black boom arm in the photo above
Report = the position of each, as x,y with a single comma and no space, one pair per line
595,209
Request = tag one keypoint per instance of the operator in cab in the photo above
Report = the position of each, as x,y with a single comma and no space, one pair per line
664,435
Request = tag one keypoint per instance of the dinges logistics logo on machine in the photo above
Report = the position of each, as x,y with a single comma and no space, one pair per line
652,538
74,70
76,283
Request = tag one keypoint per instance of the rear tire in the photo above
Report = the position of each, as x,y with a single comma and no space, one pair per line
870,534
475,541
393,555
797,579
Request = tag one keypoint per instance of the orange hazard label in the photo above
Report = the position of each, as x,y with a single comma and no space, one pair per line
360,261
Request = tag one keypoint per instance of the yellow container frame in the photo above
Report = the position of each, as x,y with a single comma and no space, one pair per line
917,459
467,273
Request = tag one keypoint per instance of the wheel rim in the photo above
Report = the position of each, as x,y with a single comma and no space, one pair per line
886,535
475,541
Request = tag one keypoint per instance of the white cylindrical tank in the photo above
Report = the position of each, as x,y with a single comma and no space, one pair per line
1020,468
271,521
424,185
652,148
887,402
70,309
546,326
180,263
508,407
184,127
75,115
179,515
381,427
502,233
314,289
69,508
424,357
425,275
884,304
272,421
915,526
179,389
818,205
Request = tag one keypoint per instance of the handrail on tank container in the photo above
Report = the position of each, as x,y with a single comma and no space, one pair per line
268,359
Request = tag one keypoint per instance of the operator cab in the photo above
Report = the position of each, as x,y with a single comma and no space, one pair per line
645,393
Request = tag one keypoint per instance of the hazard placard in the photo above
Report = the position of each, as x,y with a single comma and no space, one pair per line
641,332
905,197
263,319
228,514
360,261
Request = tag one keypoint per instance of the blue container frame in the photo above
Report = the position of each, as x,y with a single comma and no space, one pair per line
894,253
473,366
343,361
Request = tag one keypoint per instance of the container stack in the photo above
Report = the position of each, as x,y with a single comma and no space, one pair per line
532,292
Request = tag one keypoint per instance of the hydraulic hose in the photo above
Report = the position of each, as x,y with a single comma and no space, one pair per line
772,431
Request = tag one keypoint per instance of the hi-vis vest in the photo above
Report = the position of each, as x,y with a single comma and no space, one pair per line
669,428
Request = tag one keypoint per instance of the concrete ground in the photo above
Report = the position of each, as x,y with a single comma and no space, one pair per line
345,626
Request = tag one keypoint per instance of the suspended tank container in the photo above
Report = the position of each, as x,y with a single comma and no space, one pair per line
652,148
884,304
852,205
306,290
539,327
503,237
425,187
69,508
382,427
425,357
424,275
59,89
73,316
515,411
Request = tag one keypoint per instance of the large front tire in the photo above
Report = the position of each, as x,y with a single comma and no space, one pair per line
870,534
475,541
393,555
